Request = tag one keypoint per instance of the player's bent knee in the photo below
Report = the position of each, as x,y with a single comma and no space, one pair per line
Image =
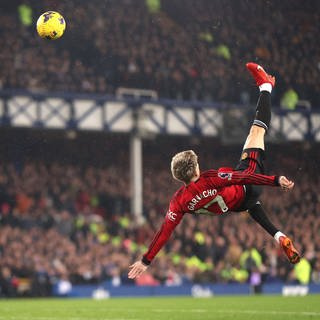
257,131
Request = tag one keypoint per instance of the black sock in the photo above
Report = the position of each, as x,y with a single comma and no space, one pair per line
259,215
263,110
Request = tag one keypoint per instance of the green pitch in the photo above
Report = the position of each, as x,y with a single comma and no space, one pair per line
235,308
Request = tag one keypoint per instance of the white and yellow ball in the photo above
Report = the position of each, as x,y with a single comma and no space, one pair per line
51,25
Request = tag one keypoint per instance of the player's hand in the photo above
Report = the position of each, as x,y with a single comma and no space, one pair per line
285,184
136,270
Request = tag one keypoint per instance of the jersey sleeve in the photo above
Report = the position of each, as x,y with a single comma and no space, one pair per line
226,177
172,219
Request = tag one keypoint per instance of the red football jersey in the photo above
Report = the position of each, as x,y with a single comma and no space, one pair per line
214,193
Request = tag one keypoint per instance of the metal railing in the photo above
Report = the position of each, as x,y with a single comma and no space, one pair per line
148,116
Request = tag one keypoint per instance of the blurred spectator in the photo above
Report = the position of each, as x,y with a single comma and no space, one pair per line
25,14
7,283
289,99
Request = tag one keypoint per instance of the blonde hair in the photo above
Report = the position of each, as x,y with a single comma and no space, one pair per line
184,165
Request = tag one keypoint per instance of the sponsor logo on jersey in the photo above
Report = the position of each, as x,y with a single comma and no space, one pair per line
171,216
225,175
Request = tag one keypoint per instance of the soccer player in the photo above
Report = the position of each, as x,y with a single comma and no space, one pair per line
215,192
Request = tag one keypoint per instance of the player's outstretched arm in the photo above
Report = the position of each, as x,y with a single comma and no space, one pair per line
136,270
172,219
227,177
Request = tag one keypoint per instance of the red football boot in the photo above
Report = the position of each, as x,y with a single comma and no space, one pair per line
260,75
288,248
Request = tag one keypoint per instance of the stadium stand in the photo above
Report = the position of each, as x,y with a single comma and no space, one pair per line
193,50
58,223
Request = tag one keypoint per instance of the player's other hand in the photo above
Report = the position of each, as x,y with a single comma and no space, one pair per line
136,270
285,184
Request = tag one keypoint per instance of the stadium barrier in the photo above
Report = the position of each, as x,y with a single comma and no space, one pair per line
105,290
148,116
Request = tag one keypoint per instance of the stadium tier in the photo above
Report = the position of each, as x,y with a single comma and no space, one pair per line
195,50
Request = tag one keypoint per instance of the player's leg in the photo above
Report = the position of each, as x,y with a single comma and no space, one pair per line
265,82
253,150
253,155
258,214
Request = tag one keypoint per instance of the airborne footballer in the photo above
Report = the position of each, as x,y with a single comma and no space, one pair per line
215,192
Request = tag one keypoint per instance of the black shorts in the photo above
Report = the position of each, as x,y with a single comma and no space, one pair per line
251,161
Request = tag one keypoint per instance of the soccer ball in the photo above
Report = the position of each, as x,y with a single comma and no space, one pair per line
51,25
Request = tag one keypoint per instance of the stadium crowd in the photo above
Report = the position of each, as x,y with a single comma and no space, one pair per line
69,222
65,207
184,50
